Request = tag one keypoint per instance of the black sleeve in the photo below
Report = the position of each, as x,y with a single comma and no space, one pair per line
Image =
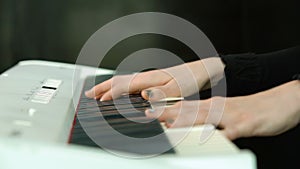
250,73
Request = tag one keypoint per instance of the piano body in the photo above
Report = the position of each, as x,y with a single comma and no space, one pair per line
39,118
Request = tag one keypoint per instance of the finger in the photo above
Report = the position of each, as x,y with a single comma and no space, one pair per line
106,96
160,92
170,123
240,129
149,79
98,97
162,114
116,91
99,89
128,84
117,86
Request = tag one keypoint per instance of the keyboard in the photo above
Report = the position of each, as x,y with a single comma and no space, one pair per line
125,115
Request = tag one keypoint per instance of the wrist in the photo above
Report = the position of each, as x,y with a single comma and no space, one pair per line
291,97
278,108
297,97
213,69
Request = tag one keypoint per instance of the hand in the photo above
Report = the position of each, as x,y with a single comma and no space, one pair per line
267,113
177,81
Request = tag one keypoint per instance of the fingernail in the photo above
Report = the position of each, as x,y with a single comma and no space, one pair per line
87,92
149,93
151,110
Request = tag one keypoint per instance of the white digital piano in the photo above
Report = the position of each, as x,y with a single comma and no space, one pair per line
47,123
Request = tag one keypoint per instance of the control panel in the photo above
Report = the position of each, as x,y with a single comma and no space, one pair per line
46,92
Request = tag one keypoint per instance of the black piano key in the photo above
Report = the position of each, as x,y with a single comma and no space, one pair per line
92,104
112,122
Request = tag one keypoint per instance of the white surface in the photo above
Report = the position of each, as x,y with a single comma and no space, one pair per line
16,155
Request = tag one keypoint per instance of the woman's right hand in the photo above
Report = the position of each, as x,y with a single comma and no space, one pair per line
178,81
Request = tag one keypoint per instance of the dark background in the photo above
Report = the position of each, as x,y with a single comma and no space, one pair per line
56,30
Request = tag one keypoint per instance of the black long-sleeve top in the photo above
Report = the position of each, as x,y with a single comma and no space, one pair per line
251,73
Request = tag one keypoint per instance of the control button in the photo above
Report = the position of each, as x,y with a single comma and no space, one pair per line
22,123
40,101
52,83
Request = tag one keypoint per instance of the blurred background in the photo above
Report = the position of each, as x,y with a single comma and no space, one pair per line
56,30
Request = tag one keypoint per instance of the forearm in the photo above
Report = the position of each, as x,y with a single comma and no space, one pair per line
252,73
290,97
266,113
208,72
278,109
